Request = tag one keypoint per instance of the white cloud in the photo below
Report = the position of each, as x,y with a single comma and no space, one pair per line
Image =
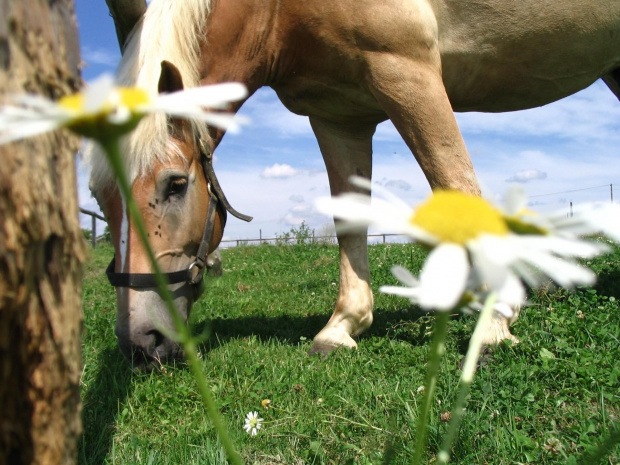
527,176
293,220
398,184
279,171
100,56
296,198
301,209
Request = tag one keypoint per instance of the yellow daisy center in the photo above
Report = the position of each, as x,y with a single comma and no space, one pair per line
73,102
453,216
96,122
133,97
130,97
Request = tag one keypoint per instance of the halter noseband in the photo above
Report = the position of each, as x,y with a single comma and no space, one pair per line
194,273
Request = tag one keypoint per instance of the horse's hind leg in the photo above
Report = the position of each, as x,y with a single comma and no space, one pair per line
347,151
613,82
412,93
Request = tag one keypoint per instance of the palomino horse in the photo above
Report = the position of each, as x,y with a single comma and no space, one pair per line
348,65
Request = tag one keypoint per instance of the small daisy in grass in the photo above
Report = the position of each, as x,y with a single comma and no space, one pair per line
104,110
252,423
476,245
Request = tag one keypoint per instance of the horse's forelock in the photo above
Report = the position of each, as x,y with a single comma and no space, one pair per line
170,30
140,153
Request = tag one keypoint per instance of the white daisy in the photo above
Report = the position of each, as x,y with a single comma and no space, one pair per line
587,220
474,244
104,110
252,423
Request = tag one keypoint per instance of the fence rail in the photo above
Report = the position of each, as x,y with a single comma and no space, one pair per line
288,240
237,242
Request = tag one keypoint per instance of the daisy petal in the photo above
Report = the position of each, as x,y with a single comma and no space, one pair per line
97,93
511,292
504,309
404,276
444,277
411,293
563,272
515,201
26,129
212,96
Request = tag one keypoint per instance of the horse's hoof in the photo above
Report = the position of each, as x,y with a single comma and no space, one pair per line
330,339
498,332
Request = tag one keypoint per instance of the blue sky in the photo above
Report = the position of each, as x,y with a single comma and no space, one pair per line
563,152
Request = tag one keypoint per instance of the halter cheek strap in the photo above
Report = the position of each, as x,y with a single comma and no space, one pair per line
194,273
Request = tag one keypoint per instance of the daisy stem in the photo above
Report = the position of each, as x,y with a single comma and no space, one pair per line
111,147
467,377
438,348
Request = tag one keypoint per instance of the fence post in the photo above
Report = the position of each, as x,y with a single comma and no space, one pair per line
93,235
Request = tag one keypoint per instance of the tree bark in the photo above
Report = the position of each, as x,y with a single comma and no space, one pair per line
41,245
126,14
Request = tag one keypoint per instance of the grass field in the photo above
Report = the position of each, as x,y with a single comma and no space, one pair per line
547,400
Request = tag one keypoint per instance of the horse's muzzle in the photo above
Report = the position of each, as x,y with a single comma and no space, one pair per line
150,349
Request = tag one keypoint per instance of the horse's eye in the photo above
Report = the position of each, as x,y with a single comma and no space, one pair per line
176,187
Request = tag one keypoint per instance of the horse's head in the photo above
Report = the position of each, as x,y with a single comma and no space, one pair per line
173,195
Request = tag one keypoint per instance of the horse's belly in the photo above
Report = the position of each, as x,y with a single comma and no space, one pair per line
510,60
336,101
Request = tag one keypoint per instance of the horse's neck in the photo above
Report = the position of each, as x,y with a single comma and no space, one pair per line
241,43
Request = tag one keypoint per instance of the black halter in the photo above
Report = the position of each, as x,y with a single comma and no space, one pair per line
194,273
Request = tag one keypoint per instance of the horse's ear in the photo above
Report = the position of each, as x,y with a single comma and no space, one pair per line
170,79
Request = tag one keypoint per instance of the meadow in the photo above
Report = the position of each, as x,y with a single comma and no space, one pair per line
548,400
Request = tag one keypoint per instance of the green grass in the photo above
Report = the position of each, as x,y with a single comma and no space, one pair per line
547,400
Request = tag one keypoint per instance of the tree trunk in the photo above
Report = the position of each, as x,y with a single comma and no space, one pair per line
41,246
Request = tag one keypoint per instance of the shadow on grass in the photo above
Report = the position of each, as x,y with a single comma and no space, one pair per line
608,283
404,326
105,392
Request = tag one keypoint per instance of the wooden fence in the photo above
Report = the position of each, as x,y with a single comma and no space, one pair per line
293,239
237,242
93,232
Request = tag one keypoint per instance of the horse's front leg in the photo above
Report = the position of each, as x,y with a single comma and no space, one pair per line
347,151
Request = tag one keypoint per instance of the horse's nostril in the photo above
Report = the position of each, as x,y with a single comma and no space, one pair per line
156,339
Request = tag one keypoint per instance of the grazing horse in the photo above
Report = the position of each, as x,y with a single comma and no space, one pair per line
348,65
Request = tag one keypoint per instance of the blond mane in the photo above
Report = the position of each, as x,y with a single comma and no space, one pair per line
170,30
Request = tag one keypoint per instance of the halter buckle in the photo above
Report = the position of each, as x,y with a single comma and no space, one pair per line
199,266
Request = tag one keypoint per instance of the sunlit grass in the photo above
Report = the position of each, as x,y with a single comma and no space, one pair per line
545,400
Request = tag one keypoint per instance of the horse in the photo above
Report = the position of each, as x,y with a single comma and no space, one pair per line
348,66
